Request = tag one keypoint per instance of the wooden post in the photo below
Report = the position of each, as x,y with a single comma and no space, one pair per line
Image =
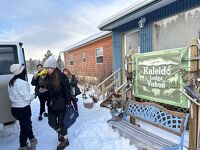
103,90
198,130
119,78
130,74
193,127
193,123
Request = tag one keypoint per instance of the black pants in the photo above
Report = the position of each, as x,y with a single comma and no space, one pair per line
43,99
74,102
55,120
24,117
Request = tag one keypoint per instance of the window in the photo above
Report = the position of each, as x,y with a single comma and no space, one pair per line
177,30
8,56
99,55
71,60
83,57
132,42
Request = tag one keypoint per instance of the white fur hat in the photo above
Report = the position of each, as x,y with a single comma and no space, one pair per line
50,62
16,68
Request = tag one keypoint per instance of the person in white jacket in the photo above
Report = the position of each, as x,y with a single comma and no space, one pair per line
20,96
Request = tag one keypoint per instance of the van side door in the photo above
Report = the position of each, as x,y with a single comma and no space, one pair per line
8,56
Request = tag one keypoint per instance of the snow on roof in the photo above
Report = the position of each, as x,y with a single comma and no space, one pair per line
87,40
138,9
124,12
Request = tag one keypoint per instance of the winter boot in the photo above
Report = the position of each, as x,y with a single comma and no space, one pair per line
33,143
60,137
63,144
46,114
40,118
24,148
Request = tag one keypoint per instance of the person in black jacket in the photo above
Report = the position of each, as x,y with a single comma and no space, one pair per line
73,85
38,82
59,92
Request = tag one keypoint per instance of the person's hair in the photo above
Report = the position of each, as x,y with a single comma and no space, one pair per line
53,80
22,76
39,65
67,70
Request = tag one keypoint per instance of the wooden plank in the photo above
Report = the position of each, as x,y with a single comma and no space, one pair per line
141,135
194,53
110,85
193,108
108,78
149,134
144,139
142,132
109,98
193,127
198,132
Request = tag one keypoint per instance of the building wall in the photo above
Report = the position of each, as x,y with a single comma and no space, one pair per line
177,30
90,68
117,50
148,32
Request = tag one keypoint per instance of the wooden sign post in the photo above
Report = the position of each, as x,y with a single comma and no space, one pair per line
198,130
193,123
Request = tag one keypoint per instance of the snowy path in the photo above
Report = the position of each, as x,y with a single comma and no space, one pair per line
90,132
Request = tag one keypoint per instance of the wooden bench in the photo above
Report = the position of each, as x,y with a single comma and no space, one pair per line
173,122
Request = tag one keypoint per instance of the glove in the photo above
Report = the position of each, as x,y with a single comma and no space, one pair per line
42,90
43,72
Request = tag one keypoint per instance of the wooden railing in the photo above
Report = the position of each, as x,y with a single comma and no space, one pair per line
103,85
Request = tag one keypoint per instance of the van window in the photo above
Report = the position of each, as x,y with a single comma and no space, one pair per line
8,56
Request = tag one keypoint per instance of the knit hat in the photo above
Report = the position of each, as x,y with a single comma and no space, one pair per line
16,69
50,62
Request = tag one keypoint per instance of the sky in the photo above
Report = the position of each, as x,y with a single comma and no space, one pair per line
53,24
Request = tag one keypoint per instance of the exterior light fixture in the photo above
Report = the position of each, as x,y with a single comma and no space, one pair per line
141,22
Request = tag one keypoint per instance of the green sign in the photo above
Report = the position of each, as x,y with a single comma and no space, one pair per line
158,76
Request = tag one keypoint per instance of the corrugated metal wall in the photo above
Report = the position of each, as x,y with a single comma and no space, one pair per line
146,32
146,38
117,50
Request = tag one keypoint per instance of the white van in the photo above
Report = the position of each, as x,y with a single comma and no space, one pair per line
10,53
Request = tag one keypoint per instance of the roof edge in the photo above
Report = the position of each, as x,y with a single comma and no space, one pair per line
88,40
134,7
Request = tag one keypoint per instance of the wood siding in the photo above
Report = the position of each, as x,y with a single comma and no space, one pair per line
90,68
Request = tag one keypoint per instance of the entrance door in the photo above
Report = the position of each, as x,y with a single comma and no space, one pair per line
131,46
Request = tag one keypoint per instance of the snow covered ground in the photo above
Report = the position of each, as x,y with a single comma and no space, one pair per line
90,132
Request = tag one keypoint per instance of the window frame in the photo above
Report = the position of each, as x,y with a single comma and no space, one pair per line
15,60
127,36
83,57
71,60
100,48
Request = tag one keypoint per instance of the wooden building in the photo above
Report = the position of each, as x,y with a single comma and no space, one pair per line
91,58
